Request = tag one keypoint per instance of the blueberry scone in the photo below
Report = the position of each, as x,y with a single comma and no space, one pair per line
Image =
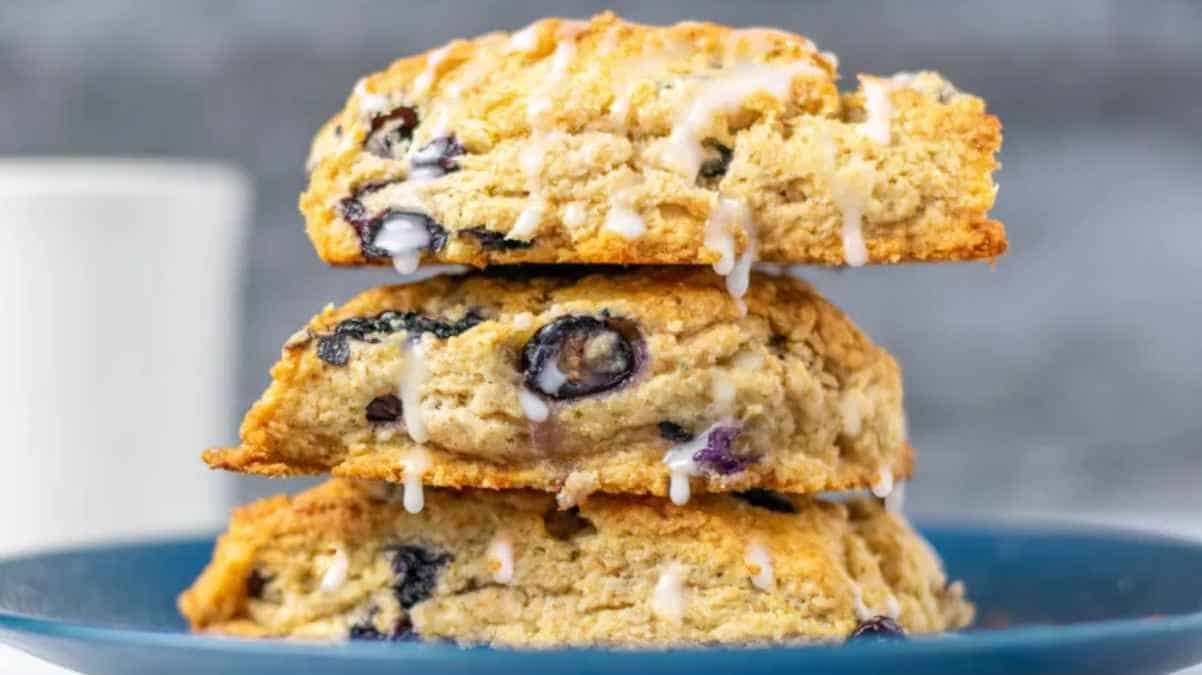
344,560
612,142
573,380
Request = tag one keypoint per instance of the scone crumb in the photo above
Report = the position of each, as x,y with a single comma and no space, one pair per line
576,488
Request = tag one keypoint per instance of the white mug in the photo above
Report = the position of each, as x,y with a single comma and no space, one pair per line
119,283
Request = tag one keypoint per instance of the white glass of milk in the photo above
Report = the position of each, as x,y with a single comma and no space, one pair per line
119,286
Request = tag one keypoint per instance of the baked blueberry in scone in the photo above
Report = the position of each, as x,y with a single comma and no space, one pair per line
648,381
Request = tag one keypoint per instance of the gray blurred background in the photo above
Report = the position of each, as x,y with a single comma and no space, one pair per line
1068,379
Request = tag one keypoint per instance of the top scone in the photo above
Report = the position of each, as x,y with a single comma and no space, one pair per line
612,142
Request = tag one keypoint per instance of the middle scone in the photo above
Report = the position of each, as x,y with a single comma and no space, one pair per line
577,379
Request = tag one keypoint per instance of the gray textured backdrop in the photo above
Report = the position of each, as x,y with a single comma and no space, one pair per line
1067,378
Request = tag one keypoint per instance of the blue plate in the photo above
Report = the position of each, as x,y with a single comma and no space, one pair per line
1050,600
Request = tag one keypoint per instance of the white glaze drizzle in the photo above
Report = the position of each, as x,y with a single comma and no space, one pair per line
416,463
537,105
500,559
682,466
892,607
731,214
404,238
851,187
422,83
722,392
896,501
335,574
533,407
718,236
883,486
523,320
526,226
565,51
759,564
550,378
879,109
574,214
371,104
430,271
413,379
852,407
622,219
683,151
524,40
668,601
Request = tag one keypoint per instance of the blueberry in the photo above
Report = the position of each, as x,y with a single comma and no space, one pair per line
393,321
495,241
416,569
403,631
672,431
717,159
357,327
368,231
564,525
334,347
718,456
385,408
576,356
767,499
256,581
390,132
878,628
437,158
352,211
366,630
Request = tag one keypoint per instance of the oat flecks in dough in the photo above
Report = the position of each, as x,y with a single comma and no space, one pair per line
553,128
443,574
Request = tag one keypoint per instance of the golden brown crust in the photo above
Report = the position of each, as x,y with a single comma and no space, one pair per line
819,405
568,120
591,584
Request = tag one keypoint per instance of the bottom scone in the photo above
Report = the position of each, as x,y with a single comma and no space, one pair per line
345,560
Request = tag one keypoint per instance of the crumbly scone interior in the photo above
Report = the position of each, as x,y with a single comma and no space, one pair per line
797,389
508,568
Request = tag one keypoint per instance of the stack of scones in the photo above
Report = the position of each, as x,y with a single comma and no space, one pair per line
604,410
